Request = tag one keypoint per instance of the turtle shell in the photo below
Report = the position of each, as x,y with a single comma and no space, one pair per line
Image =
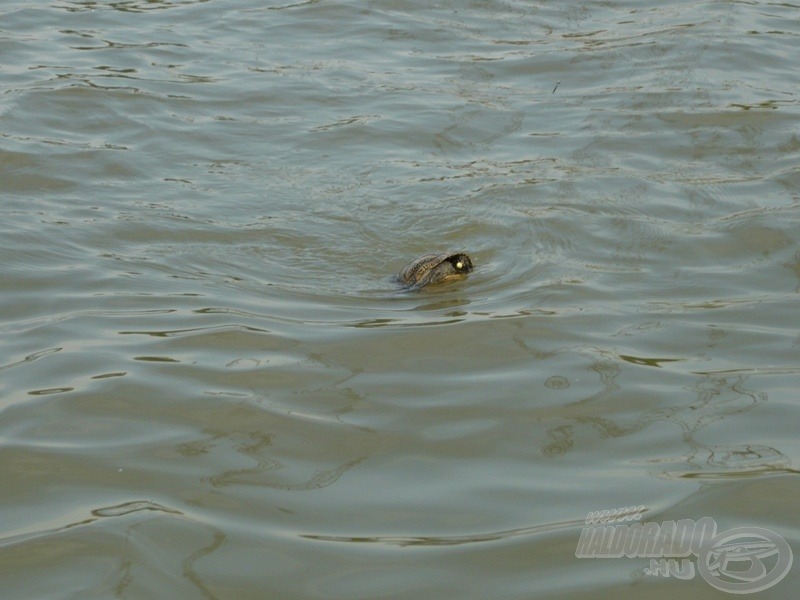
436,268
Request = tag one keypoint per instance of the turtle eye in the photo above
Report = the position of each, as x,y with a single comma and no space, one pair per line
459,265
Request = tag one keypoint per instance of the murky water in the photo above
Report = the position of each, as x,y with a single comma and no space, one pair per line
210,384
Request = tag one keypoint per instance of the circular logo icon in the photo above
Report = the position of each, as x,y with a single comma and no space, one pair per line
745,560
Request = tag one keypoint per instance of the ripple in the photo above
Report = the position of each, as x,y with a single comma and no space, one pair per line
133,506
31,357
421,540
125,6
48,391
557,382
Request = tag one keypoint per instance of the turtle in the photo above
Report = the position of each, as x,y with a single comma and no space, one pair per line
436,268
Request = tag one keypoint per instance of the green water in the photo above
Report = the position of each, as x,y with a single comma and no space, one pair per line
210,384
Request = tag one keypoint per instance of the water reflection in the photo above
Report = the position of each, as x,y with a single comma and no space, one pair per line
557,382
273,438
647,361
256,446
131,6
719,397
118,510
562,440
455,540
31,357
127,508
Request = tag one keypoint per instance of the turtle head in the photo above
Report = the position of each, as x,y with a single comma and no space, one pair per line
461,263
454,267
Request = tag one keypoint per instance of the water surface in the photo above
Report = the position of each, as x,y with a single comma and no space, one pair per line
210,385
